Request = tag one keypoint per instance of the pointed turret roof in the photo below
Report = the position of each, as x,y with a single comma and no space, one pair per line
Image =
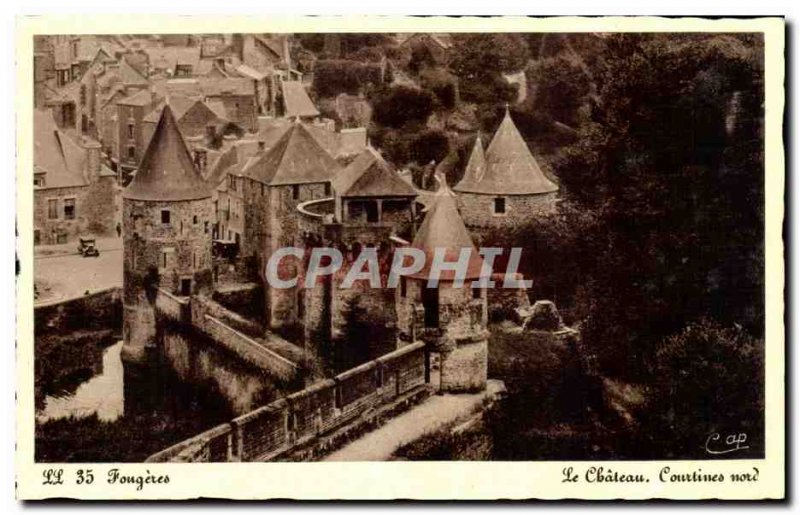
296,158
167,171
476,166
510,167
369,175
443,227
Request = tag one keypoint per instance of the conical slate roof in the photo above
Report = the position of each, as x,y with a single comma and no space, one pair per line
167,171
510,167
369,175
444,228
476,166
296,158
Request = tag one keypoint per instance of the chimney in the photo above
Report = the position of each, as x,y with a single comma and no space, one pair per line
286,55
93,161
200,160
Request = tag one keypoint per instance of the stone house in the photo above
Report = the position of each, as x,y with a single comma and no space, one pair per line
195,120
505,186
131,137
234,99
73,192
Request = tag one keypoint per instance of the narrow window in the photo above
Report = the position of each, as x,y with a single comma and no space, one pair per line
165,216
295,191
194,219
69,209
52,209
476,293
131,152
499,206
403,287
372,212
163,260
130,130
327,189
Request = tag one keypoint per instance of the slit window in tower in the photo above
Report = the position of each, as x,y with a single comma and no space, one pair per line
165,216
430,302
295,191
499,206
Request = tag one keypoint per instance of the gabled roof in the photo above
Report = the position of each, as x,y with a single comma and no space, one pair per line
179,104
61,160
476,166
296,158
130,76
443,228
370,176
250,73
167,172
142,98
168,57
296,100
510,167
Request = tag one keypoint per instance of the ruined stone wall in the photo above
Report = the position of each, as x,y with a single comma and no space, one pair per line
478,210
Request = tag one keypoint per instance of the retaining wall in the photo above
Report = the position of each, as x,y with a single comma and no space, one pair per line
287,424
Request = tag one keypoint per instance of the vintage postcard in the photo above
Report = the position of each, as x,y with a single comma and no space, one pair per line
400,258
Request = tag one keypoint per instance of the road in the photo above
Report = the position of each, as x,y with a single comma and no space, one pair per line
63,276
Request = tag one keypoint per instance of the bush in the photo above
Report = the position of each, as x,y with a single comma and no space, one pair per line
399,105
335,76
442,84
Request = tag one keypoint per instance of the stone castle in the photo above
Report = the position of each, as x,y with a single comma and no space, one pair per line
293,193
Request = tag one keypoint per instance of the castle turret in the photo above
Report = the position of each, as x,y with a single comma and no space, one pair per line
506,186
449,317
167,217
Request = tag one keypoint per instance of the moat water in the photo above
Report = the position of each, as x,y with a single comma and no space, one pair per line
103,395
109,410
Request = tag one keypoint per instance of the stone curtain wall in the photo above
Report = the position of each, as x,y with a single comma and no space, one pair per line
298,420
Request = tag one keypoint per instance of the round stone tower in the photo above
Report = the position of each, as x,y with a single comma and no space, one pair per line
504,187
166,221
450,318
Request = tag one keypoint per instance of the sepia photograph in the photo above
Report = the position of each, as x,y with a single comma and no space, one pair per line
455,246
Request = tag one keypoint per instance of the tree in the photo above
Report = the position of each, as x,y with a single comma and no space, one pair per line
706,379
678,194
480,60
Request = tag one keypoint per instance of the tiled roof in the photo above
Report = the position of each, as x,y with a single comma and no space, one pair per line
167,172
369,175
222,87
296,100
142,98
443,228
476,166
56,155
296,158
178,103
510,167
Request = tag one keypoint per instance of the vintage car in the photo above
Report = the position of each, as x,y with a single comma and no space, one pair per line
88,247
